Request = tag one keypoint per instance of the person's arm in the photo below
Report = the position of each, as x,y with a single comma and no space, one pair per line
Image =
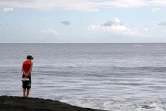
24,71
30,69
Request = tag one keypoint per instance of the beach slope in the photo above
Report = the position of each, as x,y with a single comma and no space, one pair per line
9,103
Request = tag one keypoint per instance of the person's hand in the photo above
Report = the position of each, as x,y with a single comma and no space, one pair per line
26,75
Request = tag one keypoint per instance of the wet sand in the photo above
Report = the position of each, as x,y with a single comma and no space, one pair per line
9,103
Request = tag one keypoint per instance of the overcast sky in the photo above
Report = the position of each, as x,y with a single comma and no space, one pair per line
82,21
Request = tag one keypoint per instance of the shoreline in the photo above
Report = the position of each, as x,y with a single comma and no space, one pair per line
14,103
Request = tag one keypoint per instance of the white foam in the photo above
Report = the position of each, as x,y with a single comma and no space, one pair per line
117,105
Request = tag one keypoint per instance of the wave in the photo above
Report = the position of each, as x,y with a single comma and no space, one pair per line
118,105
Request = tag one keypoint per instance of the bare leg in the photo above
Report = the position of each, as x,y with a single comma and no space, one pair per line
24,92
28,91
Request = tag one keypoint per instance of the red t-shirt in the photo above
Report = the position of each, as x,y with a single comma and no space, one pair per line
27,66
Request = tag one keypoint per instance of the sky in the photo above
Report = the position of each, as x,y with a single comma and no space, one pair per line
82,21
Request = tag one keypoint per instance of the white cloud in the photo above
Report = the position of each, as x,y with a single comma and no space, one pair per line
50,32
156,10
115,27
146,29
83,5
8,9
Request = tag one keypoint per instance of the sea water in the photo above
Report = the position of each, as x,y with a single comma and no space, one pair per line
116,77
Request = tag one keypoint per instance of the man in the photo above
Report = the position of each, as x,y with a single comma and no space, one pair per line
26,76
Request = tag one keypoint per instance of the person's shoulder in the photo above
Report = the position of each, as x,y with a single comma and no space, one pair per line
27,62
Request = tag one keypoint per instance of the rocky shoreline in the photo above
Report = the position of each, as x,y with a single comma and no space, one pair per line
10,103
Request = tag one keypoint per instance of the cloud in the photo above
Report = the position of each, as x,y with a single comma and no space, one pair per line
162,24
50,32
66,22
82,5
115,21
115,26
8,9
156,10
146,29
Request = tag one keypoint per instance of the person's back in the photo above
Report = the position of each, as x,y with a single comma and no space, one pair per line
26,69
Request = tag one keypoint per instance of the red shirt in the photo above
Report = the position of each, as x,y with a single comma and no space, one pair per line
27,66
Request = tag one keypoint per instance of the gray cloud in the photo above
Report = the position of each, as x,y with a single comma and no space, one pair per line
66,22
162,24
110,23
114,21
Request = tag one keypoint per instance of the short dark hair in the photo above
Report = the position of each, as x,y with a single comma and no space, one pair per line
29,57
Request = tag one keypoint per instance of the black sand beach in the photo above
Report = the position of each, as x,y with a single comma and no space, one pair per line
9,103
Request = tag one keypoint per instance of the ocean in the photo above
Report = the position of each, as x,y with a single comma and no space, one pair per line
114,77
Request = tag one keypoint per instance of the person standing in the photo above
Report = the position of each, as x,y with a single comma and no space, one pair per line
26,76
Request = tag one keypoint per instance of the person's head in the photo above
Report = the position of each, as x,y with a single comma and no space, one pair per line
29,57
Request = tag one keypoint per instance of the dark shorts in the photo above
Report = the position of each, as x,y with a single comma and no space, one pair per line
26,84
